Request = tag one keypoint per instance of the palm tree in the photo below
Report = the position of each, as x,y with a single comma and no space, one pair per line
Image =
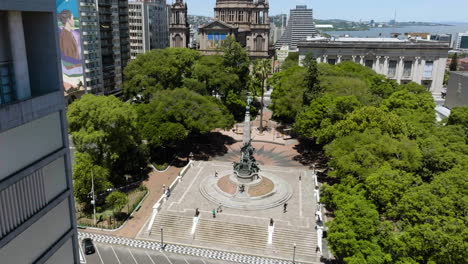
261,69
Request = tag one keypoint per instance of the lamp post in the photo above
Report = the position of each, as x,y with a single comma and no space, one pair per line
162,236
93,201
294,254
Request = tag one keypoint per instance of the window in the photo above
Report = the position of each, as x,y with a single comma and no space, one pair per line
369,63
259,43
428,69
407,67
392,69
7,92
332,61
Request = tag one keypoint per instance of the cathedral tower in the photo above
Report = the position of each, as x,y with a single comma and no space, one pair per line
179,30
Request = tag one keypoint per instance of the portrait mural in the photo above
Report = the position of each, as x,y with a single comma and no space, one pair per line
215,40
70,43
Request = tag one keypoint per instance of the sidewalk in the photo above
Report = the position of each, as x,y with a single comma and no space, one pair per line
154,184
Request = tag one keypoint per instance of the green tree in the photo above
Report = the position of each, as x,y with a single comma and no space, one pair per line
210,71
313,88
362,153
290,61
117,200
287,95
158,70
327,109
84,170
106,128
174,114
236,60
459,116
386,186
454,63
262,69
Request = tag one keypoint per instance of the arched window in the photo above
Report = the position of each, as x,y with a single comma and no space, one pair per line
259,41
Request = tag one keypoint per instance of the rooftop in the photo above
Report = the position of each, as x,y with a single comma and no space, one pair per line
391,43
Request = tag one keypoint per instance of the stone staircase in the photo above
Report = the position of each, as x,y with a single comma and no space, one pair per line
235,237
176,228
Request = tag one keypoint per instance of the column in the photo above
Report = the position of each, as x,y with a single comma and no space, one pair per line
399,70
385,67
361,60
376,65
18,52
319,59
339,59
417,73
354,58
325,58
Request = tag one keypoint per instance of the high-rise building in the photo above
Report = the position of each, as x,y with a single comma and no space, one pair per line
245,20
101,44
37,216
462,42
179,30
148,26
91,45
115,42
300,26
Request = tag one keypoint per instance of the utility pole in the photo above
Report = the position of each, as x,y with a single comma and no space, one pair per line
93,201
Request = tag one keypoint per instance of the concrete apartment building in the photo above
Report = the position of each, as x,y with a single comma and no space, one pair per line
457,90
115,42
102,44
300,26
148,26
37,221
419,61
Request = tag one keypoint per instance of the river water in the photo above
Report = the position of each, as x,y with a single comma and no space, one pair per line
386,32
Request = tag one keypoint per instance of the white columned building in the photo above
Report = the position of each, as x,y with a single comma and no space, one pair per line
404,61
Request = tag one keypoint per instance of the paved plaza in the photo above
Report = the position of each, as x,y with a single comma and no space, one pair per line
236,230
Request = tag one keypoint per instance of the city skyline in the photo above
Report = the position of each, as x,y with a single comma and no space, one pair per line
354,11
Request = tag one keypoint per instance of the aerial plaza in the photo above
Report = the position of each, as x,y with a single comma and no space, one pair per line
242,207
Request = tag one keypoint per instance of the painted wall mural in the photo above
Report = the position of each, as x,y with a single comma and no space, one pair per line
216,39
70,43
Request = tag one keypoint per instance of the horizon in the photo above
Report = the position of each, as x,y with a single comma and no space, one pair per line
360,10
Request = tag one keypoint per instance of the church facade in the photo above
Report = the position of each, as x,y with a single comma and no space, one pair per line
246,20
179,30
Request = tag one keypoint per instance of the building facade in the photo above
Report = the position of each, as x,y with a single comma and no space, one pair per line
462,41
37,215
148,26
115,42
300,26
91,45
457,90
422,62
246,20
179,30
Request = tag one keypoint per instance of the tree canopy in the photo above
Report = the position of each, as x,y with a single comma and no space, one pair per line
174,114
396,186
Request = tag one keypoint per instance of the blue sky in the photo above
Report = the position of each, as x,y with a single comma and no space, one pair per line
379,10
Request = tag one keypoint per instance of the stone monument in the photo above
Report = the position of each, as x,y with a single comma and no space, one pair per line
245,186
247,169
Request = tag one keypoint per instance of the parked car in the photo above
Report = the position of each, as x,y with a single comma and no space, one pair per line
88,246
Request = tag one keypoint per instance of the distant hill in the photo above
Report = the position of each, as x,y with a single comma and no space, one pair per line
199,20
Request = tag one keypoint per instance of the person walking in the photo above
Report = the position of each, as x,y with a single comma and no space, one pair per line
214,213
271,222
216,174
285,207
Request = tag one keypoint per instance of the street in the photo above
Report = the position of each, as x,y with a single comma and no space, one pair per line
114,254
